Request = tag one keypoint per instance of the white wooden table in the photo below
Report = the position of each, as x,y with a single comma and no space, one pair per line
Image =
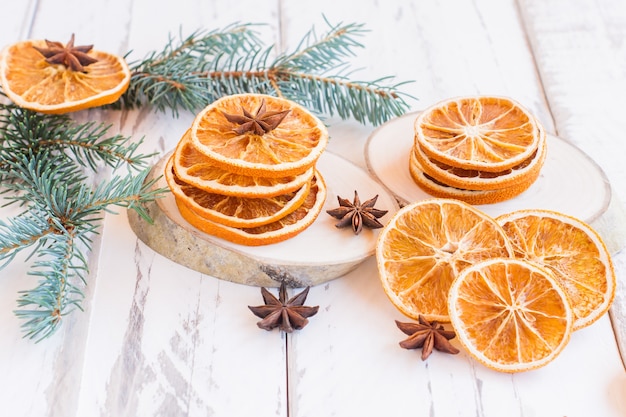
158,339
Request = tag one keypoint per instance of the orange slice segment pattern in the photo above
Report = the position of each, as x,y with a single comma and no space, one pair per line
572,251
30,82
510,315
484,133
289,149
426,245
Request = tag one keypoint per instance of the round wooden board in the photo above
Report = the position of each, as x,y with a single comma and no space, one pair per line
570,181
320,253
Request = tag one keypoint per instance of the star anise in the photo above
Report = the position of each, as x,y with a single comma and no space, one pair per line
356,214
427,335
260,123
73,57
286,315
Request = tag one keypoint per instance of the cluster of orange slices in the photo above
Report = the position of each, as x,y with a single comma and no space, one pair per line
480,150
513,287
245,170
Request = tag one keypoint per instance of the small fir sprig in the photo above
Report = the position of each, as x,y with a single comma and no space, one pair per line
44,162
206,66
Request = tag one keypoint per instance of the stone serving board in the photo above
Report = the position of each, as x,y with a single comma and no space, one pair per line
320,253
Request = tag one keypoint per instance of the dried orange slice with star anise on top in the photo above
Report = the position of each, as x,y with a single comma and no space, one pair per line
50,77
245,170
259,135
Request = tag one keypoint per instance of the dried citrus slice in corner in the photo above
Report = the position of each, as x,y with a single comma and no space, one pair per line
50,77
572,251
259,135
277,231
232,210
510,315
196,169
424,247
484,133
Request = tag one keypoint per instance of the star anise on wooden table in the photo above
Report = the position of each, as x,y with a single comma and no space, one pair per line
356,214
427,335
285,314
260,123
73,57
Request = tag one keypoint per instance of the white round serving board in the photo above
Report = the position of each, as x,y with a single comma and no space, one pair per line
570,181
320,253
322,242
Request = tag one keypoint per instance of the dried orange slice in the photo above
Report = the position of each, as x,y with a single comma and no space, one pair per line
32,82
277,231
290,148
196,169
438,189
510,315
572,251
471,179
483,133
232,210
424,247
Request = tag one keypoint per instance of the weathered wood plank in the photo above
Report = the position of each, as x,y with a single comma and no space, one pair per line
18,21
580,57
40,379
166,340
177,342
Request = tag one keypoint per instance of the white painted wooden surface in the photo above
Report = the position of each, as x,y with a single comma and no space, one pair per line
158,339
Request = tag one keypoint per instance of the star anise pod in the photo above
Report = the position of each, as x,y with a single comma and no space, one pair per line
73,57
286,315
427,335
356,214
260,123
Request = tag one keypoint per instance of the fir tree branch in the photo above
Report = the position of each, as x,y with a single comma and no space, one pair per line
173,79
313,75
43,159
56,294
20,232
325,53
23,132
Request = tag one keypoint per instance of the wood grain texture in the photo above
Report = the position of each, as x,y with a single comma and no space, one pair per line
158,339
580,58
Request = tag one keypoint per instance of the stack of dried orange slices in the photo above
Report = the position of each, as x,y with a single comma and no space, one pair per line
245,170
480,150
513,287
